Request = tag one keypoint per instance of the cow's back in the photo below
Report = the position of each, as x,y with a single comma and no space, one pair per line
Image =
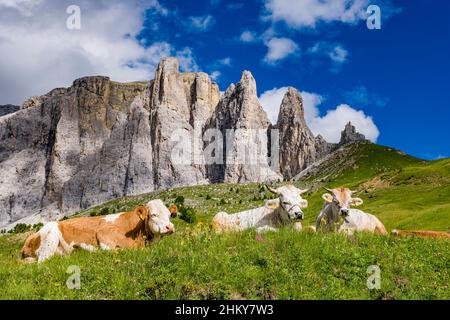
363,221
80,231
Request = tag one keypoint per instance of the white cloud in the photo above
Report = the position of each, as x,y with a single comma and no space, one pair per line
24,7
157,7
187,60
329,126
38,52
271,102
337,54
200,23
279,48
215,75
248,37
224,62
308,13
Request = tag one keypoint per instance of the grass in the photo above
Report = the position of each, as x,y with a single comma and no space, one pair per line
404,192
285,265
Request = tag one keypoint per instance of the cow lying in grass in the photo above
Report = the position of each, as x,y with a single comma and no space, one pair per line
284,210
337,211
117,231
422,234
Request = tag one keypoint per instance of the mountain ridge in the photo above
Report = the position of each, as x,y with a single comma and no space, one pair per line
98,140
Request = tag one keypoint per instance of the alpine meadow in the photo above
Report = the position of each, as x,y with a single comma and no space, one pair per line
230,152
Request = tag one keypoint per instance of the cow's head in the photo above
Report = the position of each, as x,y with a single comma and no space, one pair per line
341,199
157,217
290,199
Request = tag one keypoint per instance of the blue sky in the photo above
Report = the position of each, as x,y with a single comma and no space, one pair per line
399,75
392,83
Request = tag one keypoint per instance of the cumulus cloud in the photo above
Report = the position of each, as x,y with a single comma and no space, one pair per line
308,13
200,23
329,126
271,102
24,7
187,60
279,49
215,75
225,62
248,36
337,54
38,52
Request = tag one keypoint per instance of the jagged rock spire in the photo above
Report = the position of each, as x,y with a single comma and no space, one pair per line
349,135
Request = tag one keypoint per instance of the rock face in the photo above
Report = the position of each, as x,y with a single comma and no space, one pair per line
77,147
297,142
350,135
245,146
8,109
181,104
298,146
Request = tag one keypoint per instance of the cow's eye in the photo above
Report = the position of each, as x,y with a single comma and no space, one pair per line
286,203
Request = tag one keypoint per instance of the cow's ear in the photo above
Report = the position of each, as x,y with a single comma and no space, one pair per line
173,211
356,202
142,212
327,197
273,204
303,204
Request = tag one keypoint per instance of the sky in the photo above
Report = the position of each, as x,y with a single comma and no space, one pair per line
392,83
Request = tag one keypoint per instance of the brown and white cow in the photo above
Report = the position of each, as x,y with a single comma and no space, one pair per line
285,209
337,211
422,234
116,231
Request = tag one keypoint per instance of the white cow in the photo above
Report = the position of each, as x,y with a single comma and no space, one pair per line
284,210
337,211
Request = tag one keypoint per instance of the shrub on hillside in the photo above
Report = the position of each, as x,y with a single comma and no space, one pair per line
179,200
187,214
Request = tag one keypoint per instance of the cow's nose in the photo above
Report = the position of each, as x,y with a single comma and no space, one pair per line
170,228
344,212
300,215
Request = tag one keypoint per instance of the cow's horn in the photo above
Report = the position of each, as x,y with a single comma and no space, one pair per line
354,192
302,191
271,189
329,190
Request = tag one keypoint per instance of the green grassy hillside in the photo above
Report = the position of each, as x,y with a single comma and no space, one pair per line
284,265
404,192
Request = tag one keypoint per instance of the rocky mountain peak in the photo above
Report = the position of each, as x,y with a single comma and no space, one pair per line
77,147
169,65
292,108
247,83
297,142
349,135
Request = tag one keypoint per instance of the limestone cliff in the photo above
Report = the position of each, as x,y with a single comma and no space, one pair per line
97,140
